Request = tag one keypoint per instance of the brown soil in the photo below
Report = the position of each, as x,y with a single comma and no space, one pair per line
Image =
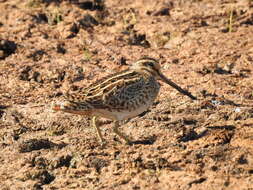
48,47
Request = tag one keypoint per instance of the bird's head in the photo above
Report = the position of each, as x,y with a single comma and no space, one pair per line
148,65
153,67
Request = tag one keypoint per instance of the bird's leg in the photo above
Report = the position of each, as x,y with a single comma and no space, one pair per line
121,135
95,125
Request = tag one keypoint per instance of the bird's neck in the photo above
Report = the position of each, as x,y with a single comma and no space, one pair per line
146,72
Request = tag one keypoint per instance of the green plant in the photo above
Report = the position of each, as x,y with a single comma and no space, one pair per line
54,17
230,21
34,3
86,54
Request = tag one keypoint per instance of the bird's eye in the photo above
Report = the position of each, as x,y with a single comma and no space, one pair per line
150,64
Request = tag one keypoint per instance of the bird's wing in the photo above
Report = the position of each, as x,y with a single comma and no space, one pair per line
126,94
115,91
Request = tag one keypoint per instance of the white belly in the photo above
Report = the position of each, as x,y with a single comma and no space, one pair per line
130,114
123,115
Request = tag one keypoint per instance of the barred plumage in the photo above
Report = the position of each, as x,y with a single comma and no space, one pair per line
119,96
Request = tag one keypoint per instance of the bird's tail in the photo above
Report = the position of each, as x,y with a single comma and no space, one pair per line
71,107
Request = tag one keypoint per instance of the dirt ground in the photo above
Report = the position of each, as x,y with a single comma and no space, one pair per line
50,47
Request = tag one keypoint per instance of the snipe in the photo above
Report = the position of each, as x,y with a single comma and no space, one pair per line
120,96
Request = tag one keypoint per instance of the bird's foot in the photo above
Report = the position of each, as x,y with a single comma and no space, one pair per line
103,143
126,140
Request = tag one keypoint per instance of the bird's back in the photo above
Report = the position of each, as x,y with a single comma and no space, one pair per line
121,93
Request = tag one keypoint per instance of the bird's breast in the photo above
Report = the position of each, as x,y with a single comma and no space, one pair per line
132,105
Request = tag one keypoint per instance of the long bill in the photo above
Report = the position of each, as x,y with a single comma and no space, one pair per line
169,82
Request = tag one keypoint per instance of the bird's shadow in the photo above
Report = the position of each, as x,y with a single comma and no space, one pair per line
149,141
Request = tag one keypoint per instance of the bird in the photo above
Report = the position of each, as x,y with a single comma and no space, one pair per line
119,96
